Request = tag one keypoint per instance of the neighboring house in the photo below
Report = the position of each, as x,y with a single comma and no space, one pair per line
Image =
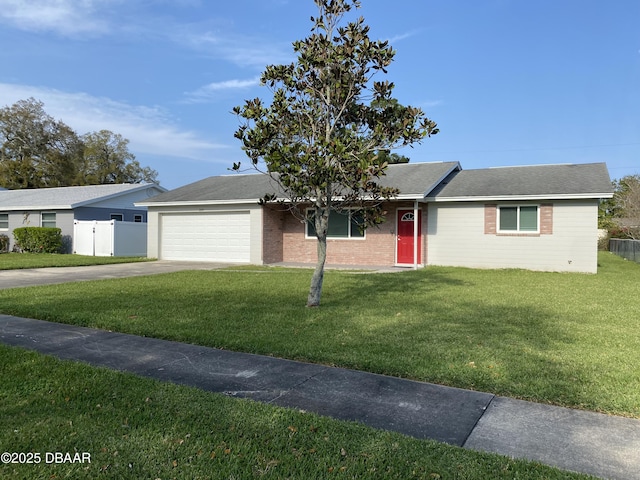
59,207
535,217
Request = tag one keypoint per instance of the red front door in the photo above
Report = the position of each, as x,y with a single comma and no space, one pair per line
405,237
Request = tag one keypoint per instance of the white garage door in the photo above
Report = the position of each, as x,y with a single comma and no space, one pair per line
214,237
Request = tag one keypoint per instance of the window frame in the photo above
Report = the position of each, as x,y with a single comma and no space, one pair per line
119,215
518,230
350,223
2,215
45,223
138,218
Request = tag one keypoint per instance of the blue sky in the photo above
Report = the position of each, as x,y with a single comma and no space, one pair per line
509,82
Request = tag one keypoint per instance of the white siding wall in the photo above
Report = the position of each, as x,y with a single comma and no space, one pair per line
155,231
126,201
456,237
64,221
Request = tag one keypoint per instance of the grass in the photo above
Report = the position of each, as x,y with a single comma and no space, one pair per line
13,261
564,339
140,428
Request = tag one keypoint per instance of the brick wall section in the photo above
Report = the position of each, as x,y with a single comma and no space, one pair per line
546,219
272,228
377,248
490,219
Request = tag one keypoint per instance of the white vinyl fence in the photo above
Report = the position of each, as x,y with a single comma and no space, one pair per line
109,238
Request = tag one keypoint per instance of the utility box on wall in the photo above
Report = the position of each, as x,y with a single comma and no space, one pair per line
109,238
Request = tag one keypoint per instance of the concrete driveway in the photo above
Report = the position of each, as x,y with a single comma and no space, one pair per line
49,276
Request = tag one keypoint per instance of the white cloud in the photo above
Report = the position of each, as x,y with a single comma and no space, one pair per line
210,90
431,103
94,18
149,129
402,36
66,17
239,50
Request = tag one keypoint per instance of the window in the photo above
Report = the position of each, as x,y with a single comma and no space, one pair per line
4,221
117,216
518,219
408,217
48,220
137,218
341,225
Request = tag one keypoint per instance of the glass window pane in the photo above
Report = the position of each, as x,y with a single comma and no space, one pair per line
529,219
508,218
311,224
48,219
341,225
356,222
4,220
338,225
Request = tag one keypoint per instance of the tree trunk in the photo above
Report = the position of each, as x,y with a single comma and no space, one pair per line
321,220
318,274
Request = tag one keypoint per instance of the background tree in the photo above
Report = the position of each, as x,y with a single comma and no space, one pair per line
391,158
36,150
320,136
107,159
624,207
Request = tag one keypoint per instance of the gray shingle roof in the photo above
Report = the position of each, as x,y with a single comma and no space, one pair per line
416,180
64,197
220,189
413,180
441,180
589,180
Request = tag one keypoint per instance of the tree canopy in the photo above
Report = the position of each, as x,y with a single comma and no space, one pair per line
326,134
621,214
391,158
107,159
38,151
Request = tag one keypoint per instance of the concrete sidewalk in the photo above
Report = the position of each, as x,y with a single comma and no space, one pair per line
587,442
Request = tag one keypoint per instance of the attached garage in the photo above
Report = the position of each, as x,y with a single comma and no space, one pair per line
211,236
218,219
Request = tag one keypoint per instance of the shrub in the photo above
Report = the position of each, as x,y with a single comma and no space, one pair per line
628,233
38,239
603,242
4,243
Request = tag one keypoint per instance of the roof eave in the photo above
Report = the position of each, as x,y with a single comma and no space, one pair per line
179,203
44,208
566,196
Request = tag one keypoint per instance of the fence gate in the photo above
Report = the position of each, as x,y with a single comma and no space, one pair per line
109,238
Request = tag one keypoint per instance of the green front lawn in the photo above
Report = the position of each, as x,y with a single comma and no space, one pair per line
566,339
131,427
13,261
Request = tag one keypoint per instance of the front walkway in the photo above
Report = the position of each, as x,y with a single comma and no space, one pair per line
353,268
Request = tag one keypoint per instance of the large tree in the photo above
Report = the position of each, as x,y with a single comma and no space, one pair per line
38,151
35,149
320,135
107,159
626,205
